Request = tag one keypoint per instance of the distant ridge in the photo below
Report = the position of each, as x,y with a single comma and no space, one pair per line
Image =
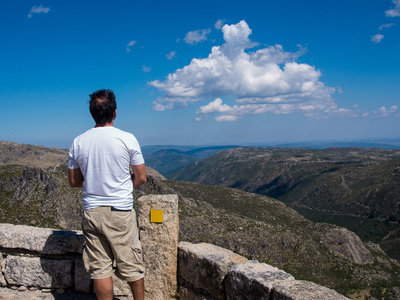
168,160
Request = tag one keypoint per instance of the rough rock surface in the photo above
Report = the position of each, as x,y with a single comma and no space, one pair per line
83,283
38,272
186,293
295,289
253,280
2,269
205,266
9,294
160,245
348,244
42,240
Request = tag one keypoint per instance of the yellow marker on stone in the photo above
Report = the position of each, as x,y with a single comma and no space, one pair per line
156,216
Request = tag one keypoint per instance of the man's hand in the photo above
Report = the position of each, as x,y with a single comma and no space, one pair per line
139,175
75,177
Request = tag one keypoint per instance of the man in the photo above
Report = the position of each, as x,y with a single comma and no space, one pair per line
100,161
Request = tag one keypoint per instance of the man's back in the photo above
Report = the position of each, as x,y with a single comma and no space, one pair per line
104,155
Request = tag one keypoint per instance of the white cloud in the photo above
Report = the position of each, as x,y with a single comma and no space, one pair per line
384,112
146,69
386,26
38,10
171,55
214,106
266,80
130,45
227,118
395,12
218,25
194,37
377,38
365,114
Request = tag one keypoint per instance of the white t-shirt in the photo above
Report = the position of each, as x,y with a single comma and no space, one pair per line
104,155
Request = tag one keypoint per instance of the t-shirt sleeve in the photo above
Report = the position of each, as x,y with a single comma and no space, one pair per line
136,153
72,164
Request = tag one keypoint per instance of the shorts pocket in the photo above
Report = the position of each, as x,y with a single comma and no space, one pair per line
138,259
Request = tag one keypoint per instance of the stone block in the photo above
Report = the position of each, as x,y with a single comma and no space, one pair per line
160,245
39,272
83,283
253,280
298,289
204,266
186,293
2,269
42,240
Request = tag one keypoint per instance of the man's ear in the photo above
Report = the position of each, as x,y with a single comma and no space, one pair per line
115,114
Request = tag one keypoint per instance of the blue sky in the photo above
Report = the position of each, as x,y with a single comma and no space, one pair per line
202,72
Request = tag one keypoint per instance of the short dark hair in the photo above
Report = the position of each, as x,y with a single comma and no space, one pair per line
102,106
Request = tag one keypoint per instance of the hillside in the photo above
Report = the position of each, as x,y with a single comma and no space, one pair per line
29,155
169,159
353,187
264,229
255,226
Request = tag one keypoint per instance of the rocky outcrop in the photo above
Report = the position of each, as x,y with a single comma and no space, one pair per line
348,244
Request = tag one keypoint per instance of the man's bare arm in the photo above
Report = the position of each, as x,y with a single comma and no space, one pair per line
75,177
139,175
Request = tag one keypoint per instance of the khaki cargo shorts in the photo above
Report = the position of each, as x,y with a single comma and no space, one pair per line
112,244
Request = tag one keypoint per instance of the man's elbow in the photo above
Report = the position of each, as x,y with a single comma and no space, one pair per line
75,184
138,181
142,179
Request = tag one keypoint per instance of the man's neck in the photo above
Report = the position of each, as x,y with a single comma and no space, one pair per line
104,125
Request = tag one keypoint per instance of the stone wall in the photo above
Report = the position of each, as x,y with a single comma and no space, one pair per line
49,259
209,272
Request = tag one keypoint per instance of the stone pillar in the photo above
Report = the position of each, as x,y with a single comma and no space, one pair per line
160,244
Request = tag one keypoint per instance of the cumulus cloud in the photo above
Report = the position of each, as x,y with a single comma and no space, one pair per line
384,112
171,55
266,80
377,38
395,12
38,10
130,45
194,37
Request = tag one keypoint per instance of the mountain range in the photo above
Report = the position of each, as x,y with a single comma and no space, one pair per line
254,225
353,187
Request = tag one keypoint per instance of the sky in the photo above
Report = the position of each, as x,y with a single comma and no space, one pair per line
202,72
